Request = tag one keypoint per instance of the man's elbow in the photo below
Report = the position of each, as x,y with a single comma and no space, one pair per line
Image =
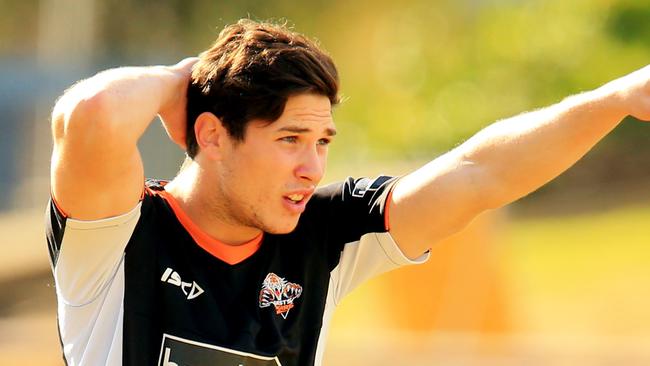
75,115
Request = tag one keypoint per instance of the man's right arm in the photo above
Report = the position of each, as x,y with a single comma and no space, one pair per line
97,170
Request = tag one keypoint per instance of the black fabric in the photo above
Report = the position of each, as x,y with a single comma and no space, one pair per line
54,229
184,306
55,222
351,209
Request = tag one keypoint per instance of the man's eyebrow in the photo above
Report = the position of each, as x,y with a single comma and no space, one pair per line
296,129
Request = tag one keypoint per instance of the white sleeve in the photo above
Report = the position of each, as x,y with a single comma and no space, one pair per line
90,254
372,255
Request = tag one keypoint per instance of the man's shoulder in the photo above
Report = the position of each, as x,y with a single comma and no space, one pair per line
152,200
155,185
354,187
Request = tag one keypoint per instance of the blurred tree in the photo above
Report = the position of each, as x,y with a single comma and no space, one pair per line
418,76
630,22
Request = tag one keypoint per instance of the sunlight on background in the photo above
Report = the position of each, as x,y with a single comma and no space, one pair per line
559,278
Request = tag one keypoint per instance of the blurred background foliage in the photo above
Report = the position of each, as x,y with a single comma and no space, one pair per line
418,77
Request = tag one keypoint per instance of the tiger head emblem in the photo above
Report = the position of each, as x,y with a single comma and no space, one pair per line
280,293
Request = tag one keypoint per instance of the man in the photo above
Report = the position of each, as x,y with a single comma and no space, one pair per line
240,259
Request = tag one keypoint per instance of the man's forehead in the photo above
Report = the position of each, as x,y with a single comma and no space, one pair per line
305,123
302,113
309,105
307,116
299,122
307,111
329,130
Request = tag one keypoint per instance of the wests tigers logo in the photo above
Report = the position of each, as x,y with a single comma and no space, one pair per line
280,293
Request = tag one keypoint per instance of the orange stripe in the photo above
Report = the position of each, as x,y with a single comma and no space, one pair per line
231,254
58,207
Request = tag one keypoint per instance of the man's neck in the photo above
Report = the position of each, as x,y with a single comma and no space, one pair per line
191,191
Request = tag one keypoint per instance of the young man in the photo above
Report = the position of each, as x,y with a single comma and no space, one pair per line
241,259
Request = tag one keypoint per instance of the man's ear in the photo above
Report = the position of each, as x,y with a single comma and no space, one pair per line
210,135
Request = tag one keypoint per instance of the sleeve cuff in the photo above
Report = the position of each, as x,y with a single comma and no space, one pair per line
395,254
103,223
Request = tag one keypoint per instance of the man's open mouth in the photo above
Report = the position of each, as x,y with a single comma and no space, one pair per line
295,198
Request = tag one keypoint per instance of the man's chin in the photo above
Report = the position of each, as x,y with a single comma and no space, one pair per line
286,227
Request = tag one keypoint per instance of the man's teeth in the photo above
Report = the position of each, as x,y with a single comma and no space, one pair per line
296,197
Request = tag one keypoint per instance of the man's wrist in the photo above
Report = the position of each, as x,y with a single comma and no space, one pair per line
610,101
172,85
618,94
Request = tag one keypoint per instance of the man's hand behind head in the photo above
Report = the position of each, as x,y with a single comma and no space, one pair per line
633,93
174,111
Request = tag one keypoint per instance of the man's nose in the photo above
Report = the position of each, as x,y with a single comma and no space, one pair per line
312,165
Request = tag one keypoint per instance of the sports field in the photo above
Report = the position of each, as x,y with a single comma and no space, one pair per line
570,290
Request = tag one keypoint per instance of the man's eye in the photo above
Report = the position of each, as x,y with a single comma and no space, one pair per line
324,142
291,139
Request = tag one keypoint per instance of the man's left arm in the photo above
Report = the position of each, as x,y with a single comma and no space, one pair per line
508,160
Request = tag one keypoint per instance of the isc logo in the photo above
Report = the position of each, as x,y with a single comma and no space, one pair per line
191,290
365,185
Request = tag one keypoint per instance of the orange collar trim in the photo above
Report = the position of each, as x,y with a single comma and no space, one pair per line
231,254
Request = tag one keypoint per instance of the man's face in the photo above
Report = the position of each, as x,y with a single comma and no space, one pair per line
266,180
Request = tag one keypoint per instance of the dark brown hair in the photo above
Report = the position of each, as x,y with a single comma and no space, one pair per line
250,72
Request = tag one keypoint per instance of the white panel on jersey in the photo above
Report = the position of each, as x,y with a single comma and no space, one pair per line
92,333
372,255
90,254
89,278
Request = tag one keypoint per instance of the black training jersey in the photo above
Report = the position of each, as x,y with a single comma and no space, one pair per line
143,289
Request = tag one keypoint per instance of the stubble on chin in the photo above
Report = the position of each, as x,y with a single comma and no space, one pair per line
286,226
231,209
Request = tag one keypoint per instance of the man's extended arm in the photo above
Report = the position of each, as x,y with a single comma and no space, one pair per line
96,167
508,160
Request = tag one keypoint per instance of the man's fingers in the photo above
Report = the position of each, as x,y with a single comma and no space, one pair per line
186,64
